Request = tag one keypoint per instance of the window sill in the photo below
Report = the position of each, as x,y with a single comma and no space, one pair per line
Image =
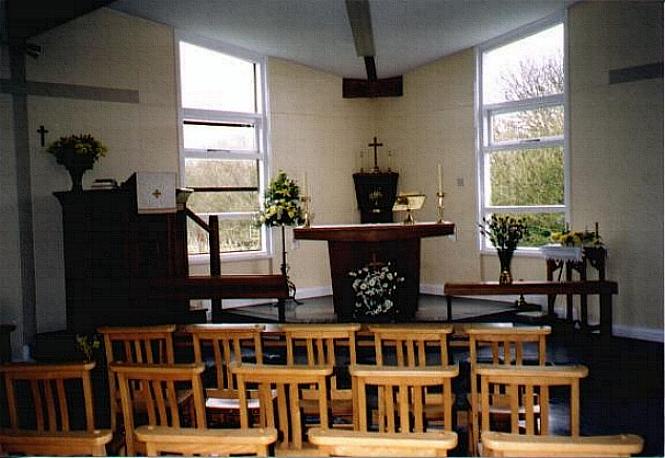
203,259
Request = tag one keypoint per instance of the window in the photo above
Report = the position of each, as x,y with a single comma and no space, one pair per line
521,131
223,144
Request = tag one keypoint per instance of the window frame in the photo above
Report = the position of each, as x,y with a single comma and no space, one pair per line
483,115
259,119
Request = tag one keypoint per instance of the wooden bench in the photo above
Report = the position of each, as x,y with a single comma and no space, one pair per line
604,289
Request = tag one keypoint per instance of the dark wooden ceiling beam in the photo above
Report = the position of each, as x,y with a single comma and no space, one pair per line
363,38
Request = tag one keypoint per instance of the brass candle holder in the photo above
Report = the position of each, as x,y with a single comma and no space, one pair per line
306,213
440,206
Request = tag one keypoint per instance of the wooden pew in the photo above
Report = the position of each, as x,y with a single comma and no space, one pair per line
604,289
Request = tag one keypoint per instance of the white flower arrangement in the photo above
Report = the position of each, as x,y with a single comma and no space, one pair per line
375,289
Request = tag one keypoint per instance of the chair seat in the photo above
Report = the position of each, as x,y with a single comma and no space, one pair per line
230,404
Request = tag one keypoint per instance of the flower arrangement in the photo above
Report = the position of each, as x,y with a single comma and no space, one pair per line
505,232
577,238
375,289
77,150
282,203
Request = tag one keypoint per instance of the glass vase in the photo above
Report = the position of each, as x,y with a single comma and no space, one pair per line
505,258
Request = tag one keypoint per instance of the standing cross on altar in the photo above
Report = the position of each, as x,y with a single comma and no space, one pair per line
375,145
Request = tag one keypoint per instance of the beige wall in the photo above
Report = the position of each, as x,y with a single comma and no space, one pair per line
432,123
616,141
110,50
314,129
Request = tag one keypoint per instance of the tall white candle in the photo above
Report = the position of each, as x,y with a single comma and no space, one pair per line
440,176
304,191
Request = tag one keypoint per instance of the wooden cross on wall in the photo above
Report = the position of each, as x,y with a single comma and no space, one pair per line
375,144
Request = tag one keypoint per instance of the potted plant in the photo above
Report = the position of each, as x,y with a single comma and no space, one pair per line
77,153
375,289
281,207
505,233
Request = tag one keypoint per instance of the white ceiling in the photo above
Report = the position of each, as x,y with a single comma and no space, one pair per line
407,33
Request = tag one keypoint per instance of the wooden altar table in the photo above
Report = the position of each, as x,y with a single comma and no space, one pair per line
604,289
351,247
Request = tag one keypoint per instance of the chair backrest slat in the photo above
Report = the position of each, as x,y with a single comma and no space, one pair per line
410,343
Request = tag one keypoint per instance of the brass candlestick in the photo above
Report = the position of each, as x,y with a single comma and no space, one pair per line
440,206
306,214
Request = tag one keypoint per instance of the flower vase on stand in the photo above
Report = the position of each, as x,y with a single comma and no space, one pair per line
505,258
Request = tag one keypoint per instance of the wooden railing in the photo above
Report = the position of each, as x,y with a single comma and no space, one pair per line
218,286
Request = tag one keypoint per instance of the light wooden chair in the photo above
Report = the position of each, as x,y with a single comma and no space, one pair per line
509,346
411,343
283,379
155,386
332,345
504,444
229,343
207,442
526,389
400,419
57,393
401,394
356,443
135,344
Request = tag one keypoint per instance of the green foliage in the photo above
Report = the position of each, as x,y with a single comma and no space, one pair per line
88,346
527,177
282,202
78,150
541,226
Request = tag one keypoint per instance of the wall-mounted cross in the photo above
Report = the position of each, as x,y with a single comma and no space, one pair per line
156,194
375,144
42,132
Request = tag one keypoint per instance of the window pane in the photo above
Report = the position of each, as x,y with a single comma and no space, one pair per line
526,68
221,172
527,124
526,177
540,225
214,81
221,202
215,137
234,235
